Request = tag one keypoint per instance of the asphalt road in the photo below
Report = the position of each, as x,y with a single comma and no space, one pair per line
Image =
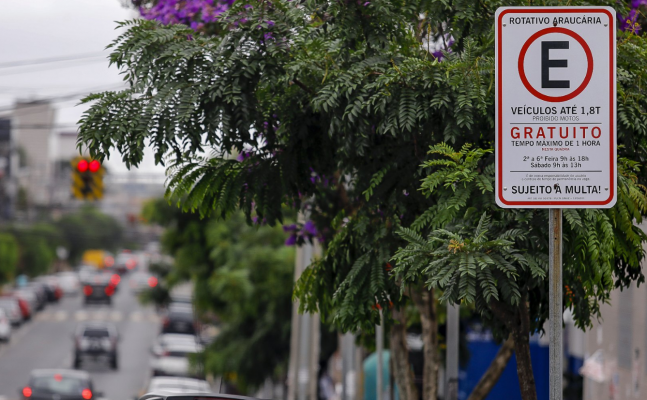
46,342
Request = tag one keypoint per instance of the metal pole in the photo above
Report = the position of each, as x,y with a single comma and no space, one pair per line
555,313
451,361
379,344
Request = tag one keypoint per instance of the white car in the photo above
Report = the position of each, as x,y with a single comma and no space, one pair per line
12,310
69,282
5,326
178,385
175,360
166,339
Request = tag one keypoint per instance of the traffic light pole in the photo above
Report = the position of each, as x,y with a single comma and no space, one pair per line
555,313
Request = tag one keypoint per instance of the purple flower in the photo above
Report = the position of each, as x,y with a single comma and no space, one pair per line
270,23
629,23
290,228
367,3
291,240
310,228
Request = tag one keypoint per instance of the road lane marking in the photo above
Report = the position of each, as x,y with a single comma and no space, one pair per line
116,316
81,315
136,316
60,315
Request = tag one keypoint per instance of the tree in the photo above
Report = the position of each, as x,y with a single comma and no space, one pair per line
332,107
37,248
8,257
243,275
88,228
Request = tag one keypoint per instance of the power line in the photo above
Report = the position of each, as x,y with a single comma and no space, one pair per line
69,96
51,67
36,61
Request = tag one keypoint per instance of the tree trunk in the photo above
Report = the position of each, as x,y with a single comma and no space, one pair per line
518,323
426,305
494,371
400,354
521,337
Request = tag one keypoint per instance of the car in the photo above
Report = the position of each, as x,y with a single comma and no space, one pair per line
173,384
193,396
179,319
163,341
141,280
40,291
99,289
125,262
11,306
52,289
57,384
96,340
86,272
5,326
30,297
175,360
69,282
25,308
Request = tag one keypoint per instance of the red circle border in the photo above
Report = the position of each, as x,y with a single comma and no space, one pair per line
589,59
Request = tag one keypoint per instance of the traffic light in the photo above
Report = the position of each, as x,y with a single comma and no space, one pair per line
87,179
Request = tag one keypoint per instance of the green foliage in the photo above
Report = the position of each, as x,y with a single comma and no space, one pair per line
37,244
337,111
243,276
449,246
8,257
87,229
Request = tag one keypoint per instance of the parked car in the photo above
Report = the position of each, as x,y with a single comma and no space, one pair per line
69,282
163,341
30,297
168,384
175,360
40,292
96,340
11,307
25,308
5,326
179,319
52,289
59,384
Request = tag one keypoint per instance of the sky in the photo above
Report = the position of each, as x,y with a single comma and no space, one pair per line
33,30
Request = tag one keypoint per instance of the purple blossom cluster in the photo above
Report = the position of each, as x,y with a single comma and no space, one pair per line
194,13
630,22
300,234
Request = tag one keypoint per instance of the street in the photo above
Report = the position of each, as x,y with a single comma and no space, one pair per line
46,342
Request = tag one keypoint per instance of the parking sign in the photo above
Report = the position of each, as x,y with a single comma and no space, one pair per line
555,107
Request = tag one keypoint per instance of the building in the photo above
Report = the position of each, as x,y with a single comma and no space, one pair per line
32,124
614,364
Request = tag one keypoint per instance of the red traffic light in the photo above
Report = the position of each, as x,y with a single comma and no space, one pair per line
94,166
82,166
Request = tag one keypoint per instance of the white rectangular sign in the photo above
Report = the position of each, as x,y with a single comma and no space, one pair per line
555,107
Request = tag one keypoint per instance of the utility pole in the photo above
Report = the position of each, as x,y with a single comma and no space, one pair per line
304,337
451,354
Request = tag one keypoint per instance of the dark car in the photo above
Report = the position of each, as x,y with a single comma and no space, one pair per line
59,384
96,340
98,289
179,319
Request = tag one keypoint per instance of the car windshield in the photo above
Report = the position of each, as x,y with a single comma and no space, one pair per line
58,384
96,333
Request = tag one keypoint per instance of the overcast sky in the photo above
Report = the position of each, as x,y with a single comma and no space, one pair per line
36,29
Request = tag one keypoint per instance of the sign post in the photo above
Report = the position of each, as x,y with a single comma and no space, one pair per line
555,125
